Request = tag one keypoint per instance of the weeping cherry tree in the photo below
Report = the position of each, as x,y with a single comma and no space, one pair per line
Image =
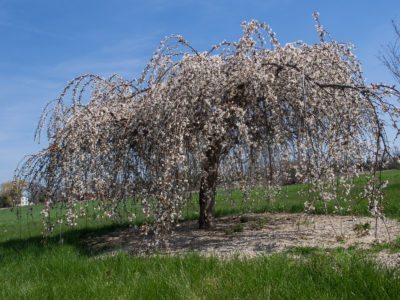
247,113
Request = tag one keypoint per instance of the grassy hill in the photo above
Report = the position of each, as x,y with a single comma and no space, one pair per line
62,268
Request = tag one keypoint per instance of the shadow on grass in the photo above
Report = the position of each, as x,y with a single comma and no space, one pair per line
75,238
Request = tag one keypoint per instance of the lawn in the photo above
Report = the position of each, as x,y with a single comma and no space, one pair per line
64,273
62,268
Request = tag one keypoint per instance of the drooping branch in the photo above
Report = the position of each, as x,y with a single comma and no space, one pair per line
240,114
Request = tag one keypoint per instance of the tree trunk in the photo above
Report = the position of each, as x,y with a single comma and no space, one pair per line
208,186
271,165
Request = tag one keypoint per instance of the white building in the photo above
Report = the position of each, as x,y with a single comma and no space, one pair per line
24,201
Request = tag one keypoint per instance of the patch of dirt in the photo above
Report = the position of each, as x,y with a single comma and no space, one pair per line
253,234
389,260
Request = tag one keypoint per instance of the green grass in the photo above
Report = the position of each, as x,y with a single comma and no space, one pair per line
28,224
61,267
63,273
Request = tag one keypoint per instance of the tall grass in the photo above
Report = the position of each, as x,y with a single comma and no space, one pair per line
63,273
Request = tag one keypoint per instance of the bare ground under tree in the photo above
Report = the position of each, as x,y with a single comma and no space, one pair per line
256,234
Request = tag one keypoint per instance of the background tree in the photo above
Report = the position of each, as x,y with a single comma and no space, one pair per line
391,55
239,115
391,59
37,193
11,193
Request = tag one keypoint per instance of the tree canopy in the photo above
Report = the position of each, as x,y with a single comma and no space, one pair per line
246,113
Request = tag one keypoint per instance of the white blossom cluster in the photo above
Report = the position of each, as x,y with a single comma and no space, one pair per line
244,114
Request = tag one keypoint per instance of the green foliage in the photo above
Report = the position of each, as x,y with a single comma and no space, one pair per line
5,201
362,229
234,229
9,191
6,194
244,219
258,224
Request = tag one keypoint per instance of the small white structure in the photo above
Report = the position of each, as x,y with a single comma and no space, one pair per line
24,201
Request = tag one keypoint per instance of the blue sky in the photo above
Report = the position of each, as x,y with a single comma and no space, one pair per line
44,44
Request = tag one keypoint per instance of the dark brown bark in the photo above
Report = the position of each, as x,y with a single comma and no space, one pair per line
208,186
